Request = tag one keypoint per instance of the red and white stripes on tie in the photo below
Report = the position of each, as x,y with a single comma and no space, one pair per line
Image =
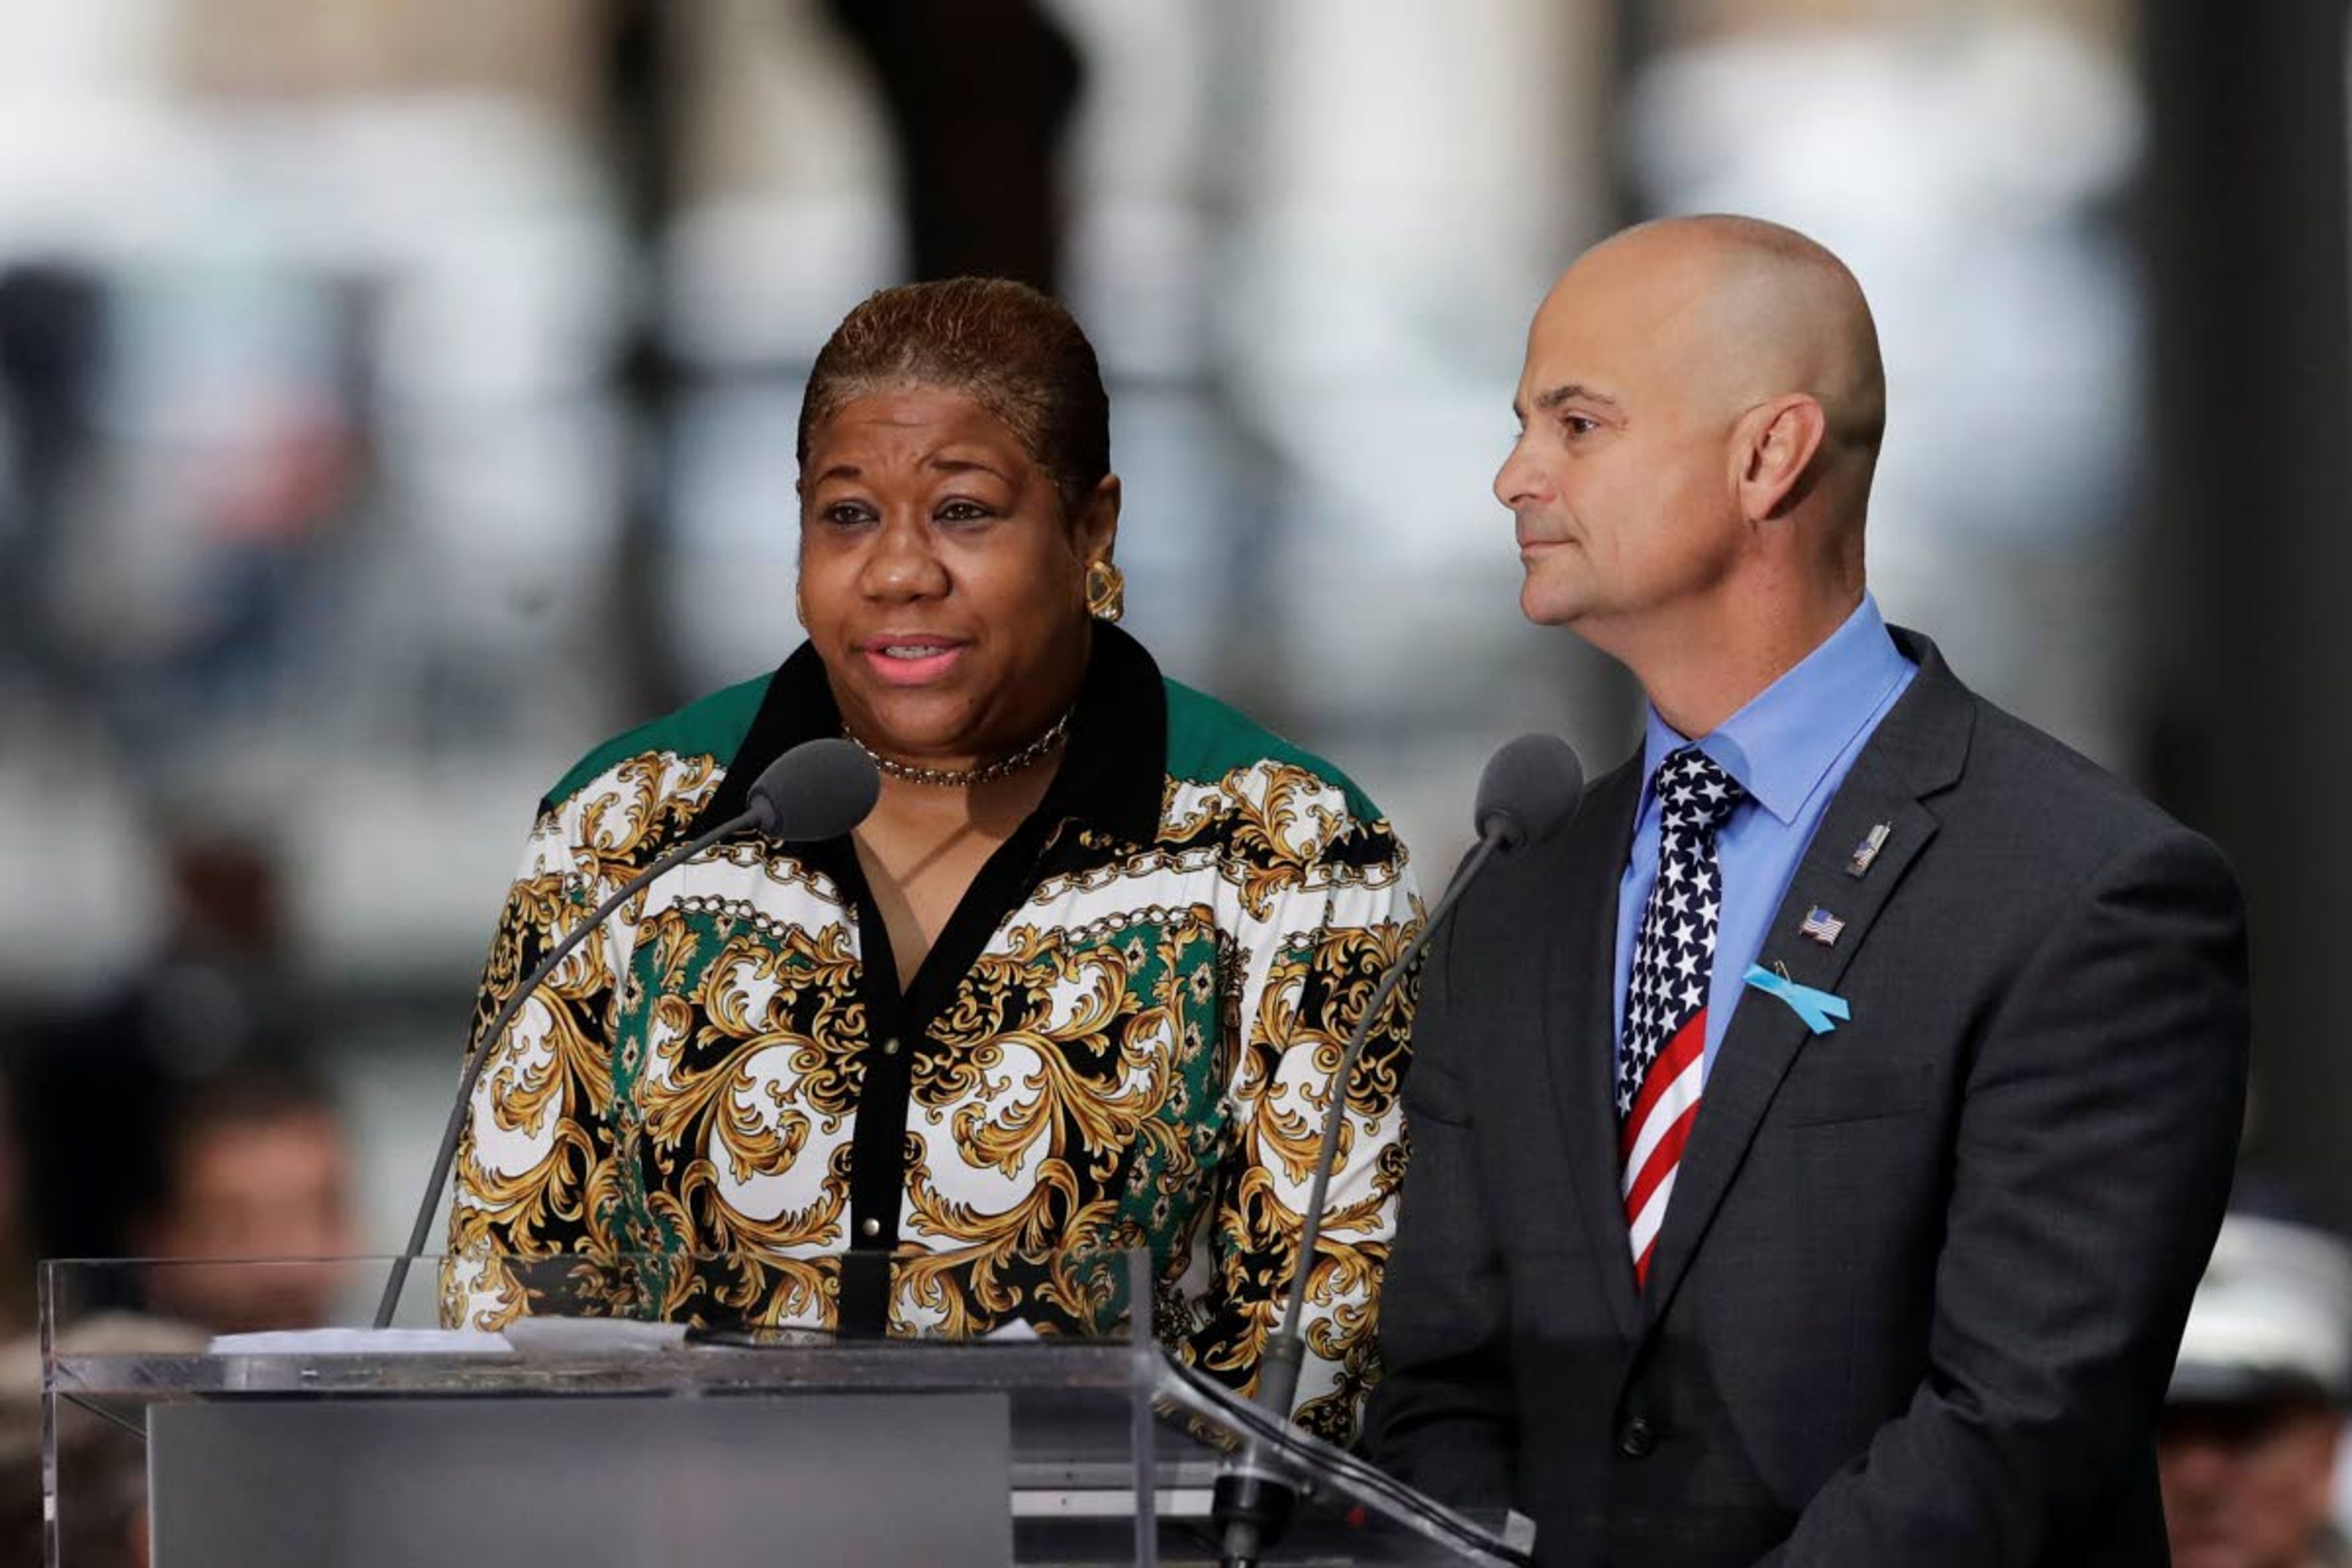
1662,1059
1650,1144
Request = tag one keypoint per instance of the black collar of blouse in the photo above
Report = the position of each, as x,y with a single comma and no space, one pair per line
1113,775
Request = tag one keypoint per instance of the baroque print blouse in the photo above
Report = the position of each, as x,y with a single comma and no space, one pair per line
1124,1037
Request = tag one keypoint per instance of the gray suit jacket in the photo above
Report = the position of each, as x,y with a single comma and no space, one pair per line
1922,1277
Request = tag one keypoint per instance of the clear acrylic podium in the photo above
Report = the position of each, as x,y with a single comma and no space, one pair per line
579,1439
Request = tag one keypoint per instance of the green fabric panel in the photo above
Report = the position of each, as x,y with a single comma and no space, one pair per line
1208,739
712,726
647,982
1176,1162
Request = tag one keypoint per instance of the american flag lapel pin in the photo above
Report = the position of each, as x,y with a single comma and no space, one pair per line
1868,850
1821,926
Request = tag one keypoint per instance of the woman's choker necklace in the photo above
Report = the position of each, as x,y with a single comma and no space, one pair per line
965,778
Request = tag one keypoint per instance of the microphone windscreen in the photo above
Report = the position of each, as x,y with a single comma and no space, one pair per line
819,789
1529,791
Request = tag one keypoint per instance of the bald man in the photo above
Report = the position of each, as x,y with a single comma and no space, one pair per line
1814,1147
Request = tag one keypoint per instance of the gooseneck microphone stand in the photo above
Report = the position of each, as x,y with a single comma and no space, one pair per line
1254,1493
1528,791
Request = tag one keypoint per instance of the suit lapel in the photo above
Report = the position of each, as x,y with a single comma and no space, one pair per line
1917,750
1579,1031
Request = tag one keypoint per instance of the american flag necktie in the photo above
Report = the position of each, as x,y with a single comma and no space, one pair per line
1661,1062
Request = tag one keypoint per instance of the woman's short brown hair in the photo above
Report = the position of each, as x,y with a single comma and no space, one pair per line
1012,349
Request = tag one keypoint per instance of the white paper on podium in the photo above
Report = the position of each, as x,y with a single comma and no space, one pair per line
362,1342
592,1336
1013,1331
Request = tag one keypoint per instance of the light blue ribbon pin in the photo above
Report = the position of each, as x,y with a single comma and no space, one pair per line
1817,1008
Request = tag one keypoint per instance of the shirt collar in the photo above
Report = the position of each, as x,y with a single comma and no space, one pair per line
1781,744
1113,772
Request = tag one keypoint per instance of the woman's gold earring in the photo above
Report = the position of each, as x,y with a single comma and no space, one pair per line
800,607
1106,591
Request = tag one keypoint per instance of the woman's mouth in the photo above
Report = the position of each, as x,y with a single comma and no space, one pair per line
911,660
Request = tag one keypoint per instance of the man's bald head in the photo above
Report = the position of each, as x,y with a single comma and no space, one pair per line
1741,310
1701,407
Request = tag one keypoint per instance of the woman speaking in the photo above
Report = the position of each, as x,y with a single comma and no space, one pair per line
1077,983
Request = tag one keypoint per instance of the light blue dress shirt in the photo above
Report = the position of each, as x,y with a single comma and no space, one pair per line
1790,747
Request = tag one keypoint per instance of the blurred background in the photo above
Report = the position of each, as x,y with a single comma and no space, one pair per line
396,398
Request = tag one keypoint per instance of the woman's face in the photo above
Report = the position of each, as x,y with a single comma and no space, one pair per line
943,585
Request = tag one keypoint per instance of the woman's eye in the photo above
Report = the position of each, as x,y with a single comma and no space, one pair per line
847,515
1578,425
961,512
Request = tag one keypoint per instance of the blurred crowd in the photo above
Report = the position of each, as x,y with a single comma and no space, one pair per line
179,1117
2250,1445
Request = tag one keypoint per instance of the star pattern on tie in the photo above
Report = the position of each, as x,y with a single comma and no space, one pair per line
1674,955
1662,1057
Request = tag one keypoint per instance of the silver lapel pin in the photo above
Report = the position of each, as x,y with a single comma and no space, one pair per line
1868,850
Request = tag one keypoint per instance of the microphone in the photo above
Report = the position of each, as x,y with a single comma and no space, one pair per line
818,790
1527,792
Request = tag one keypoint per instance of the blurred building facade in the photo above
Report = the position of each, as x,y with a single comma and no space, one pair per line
396,397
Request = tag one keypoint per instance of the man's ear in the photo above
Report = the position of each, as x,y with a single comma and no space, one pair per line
1094,528
1775,446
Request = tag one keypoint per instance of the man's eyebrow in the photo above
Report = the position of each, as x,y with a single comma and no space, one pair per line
1552,397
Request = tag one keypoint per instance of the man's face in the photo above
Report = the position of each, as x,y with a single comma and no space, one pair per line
278,1189
2246,1486
1621,480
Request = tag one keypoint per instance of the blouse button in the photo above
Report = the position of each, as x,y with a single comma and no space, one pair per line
869,1227
890,1048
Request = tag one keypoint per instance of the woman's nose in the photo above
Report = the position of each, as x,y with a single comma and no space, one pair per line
904,565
